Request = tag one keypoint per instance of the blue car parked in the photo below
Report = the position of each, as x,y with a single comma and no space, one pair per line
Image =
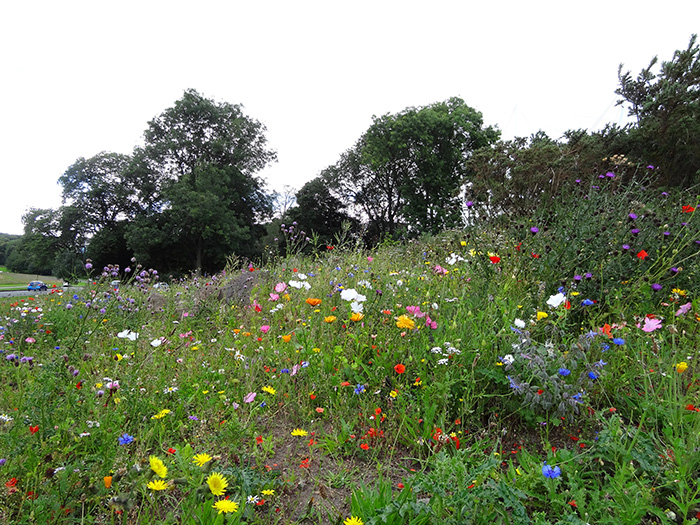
37,285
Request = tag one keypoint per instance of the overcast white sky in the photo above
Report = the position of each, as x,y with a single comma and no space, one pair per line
81,77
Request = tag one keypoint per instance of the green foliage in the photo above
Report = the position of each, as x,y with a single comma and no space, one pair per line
667,108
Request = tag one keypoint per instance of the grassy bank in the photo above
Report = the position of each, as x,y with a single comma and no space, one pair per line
534,370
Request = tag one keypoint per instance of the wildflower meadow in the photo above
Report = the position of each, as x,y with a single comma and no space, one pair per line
539,369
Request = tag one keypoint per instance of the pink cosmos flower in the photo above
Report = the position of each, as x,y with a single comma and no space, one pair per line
415,310
250,397
265,328
280,287
651,324
273,297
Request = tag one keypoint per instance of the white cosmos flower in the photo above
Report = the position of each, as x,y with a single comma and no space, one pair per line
157,342
348,294
128,334
519,323
356,307
555,300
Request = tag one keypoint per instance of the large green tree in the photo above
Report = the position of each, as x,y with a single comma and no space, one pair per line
204,200
667,111
407,170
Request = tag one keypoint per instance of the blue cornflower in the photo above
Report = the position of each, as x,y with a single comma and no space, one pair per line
550,472
564,371
577,397
605,347
284,371
593,375
359,389
562,290
600,364
586,302
619,341
125,439
304,364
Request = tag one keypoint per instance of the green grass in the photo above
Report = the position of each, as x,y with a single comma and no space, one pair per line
19,281
384,416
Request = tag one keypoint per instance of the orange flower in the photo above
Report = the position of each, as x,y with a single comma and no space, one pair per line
287,338
400,369
313,301
364,446
330,318
357,316
108,481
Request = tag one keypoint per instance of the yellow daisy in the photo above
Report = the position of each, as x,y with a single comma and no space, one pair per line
299,432
225,506
158,467
217,484
157,484
201,459
269,390
353,520
405,322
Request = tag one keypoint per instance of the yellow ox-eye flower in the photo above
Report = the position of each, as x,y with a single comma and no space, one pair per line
201,459
357,316
158,467
217,484
313,301
225,506
330,318
269,390
157,484
405,322
542,315
299,432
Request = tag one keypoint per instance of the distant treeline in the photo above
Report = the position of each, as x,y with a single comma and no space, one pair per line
191,197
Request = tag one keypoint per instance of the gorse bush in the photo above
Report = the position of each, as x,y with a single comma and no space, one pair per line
525,370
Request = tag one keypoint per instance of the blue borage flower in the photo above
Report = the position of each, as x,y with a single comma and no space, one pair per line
359,389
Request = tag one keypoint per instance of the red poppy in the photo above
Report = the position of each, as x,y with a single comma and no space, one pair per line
642,255
400,369
171,450
11,483
494,259
364,446
34,429
688,209
259,440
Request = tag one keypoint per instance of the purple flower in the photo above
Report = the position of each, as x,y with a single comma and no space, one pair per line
2,461
684,309
588,275
469,204
632,216
534,229
656,287
610,174
625,246
634,231
88,266
577,278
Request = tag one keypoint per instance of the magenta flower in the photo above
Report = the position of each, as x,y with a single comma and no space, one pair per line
273,297
650,324
265,328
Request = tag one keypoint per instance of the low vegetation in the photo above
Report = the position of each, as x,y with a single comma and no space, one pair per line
542,369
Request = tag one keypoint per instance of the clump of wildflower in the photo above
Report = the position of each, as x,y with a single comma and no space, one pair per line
406,323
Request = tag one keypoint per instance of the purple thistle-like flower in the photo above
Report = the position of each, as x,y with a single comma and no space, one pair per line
534,229
634,231
632,216
88,266
656,287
